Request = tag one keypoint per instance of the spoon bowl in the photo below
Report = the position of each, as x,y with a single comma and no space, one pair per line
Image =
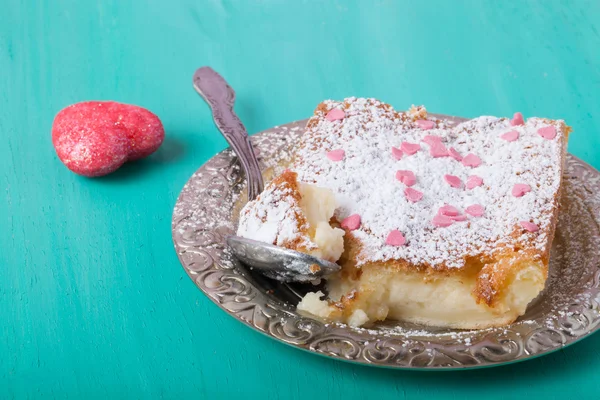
279,263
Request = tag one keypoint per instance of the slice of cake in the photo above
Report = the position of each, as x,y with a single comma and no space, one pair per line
445,225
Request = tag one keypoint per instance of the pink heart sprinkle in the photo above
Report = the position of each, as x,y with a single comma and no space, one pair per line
410,148
453,181
336,155
395,238
351,223
425,124
413,195
335,114
431,139
547,132
396,153
448,211
517,119
455,154
471,160
442,221
438,150
406,177
520,189
459,218
475,210
473,181
510,136
529,226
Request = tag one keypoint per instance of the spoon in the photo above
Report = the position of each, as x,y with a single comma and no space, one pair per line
272,261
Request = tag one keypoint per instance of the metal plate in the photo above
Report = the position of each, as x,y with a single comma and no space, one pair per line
567,311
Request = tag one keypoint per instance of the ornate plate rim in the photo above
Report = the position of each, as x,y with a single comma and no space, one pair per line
203,255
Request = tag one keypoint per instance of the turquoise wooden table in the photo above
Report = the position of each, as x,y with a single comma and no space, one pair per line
93,301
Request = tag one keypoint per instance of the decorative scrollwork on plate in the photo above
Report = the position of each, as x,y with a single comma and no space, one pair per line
567,311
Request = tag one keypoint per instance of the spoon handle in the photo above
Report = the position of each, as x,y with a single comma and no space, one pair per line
220,97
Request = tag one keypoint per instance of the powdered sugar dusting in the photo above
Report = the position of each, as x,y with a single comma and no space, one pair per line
273,218
364,182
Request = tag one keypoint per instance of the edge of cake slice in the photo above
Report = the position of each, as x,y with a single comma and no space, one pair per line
294,215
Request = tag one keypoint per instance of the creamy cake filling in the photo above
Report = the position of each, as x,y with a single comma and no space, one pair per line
383,293
318,205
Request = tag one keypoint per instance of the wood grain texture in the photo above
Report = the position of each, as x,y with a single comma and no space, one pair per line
93,301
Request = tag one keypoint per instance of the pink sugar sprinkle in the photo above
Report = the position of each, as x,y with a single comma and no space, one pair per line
448,211
547,132
475,210
459,218
395,238
432,139
410,148
335,114
425,124
351,223
453,181
407,177
471,160
529,226
442,221
455,154
474,181
336,155
438,150
413,195
510,136
517,119
396,153
520,189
